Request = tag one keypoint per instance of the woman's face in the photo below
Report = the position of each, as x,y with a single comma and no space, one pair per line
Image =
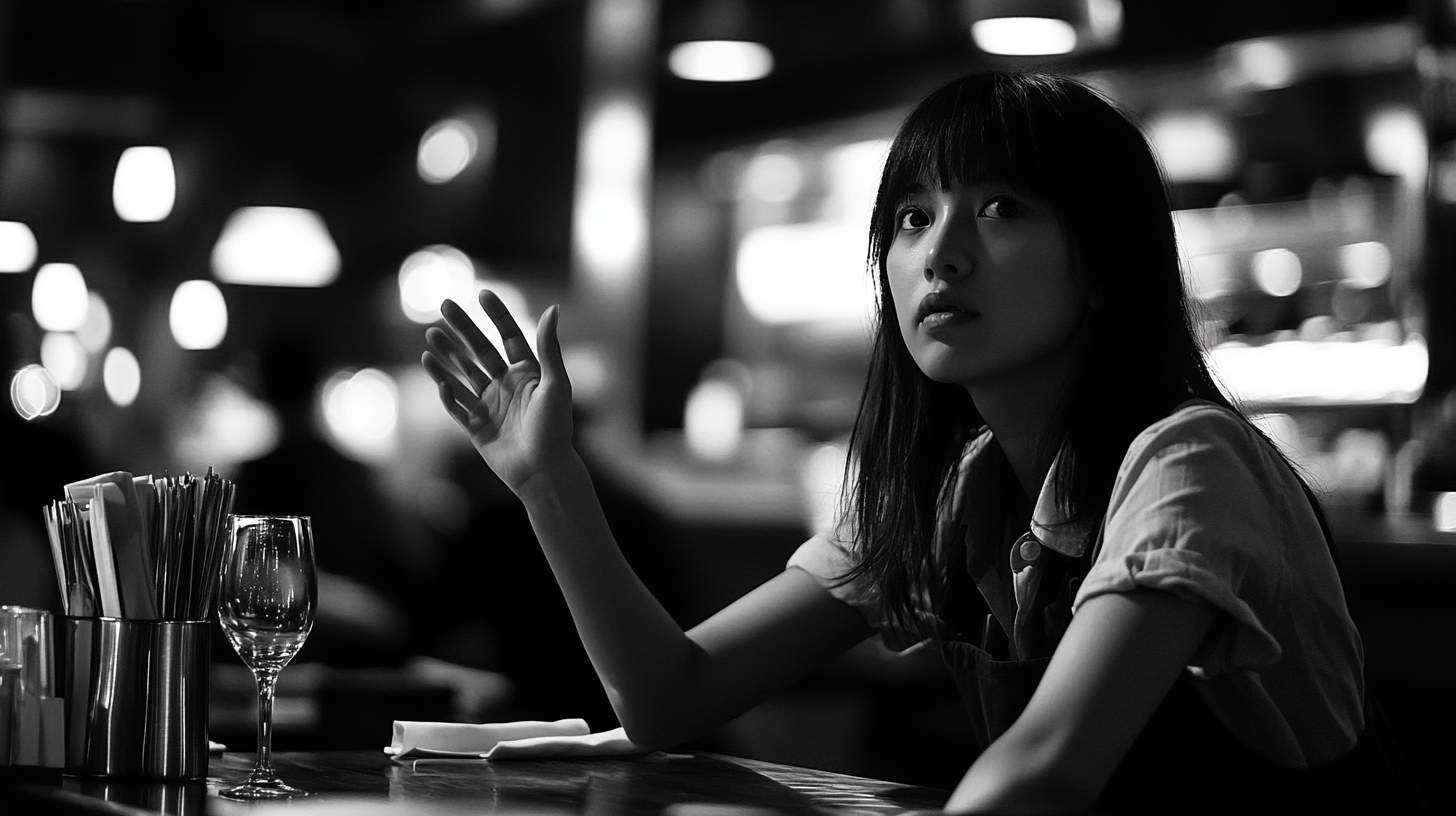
983,283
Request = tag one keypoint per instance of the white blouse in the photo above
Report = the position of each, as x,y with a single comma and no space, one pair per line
1202,506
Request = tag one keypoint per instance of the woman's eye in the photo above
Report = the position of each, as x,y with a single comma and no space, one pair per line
914,218
1001,207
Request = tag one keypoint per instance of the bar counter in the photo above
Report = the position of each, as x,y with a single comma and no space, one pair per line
368,783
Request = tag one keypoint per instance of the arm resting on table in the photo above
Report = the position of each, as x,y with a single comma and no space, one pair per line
1116,663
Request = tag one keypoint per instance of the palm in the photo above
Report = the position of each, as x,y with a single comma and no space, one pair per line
517,425
517,414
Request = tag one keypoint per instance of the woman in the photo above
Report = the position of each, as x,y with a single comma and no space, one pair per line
1128,581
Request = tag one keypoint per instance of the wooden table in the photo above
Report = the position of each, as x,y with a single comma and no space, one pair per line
366,783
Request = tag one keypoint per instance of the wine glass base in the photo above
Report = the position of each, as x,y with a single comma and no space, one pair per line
262,787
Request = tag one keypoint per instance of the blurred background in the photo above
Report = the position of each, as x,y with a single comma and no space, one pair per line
225,226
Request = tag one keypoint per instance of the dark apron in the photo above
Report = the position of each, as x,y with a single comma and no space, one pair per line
1185,761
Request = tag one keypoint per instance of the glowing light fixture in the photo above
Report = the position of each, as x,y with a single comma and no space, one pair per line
58,298
62,355
1366,264
1024,36
713,420
34,393
276,246
451,145
796,273
95,333
610,214
773,177
361,410
720,60
1264,63
17,247
1444,515
429,276
1395,143
1022,28
198,315
1194,146
145,185
1324,372
121,375
1278,271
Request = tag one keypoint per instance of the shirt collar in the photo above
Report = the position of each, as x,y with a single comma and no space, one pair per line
1048,523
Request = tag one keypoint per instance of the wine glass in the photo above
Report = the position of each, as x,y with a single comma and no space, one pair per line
265,603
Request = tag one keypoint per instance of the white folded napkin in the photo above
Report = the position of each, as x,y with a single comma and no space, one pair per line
514,740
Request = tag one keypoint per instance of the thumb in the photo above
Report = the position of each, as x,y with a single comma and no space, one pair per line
548,343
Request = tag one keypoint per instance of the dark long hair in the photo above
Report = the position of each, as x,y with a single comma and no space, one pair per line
1061,141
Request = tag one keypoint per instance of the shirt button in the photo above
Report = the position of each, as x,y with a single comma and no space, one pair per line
1030,549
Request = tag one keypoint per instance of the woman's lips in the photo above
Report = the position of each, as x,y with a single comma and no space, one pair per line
946,319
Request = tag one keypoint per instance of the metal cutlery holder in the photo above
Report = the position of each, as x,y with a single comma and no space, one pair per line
136,697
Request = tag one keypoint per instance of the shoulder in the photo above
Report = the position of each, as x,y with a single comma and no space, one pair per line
1223,433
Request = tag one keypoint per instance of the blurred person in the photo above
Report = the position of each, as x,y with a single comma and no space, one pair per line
1134,591
372,561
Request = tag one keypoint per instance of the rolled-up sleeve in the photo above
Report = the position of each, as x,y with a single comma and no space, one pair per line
1194,515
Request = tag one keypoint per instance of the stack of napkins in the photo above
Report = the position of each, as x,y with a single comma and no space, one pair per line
528,739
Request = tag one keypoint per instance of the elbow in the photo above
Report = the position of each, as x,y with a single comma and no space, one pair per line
652,730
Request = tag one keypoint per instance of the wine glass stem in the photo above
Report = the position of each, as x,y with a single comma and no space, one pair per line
267,679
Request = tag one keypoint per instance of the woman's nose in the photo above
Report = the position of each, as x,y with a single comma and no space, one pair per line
947,258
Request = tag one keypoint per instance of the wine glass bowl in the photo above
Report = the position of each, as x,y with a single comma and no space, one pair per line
266,600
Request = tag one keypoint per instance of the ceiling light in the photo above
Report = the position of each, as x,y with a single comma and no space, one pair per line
145,186
17,247
275,246
721,60
1024,36
58,298
121,375
198,316
1042,27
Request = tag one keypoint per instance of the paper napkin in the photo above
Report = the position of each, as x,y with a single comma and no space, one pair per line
514,740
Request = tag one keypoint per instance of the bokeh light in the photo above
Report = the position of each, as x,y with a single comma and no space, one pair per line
429,276
773,177
1278,271
713,420
446,149
95,333
58,298
17,247
1024,36
65,358
720,60
145,185
121,375
361,411
198,315
276,246
34,392
1366,264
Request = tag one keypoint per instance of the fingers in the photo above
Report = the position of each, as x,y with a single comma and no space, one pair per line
474,338
516,347
454,363
453,394
553,366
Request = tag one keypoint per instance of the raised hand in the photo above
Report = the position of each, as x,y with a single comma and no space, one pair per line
517,413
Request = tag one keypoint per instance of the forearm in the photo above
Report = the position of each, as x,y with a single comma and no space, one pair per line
642,656
1017,775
